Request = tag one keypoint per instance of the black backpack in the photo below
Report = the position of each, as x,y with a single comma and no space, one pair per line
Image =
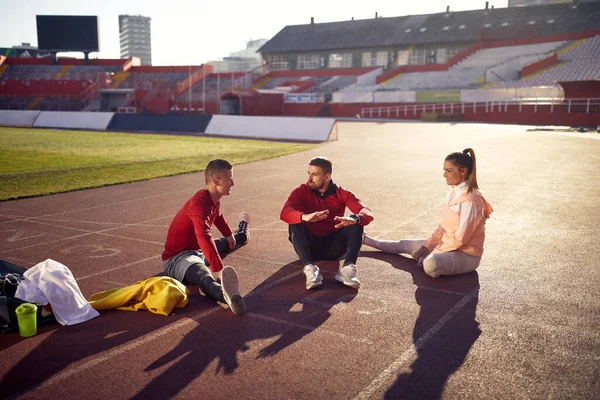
10,277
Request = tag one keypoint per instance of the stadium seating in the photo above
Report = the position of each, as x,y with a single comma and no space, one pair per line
209,89
497,49
469,71
579,63
152,81
333,84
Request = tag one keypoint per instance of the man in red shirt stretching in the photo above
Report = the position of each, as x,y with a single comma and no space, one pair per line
190,248
317,226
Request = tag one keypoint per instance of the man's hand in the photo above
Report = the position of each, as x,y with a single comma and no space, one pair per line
231,240
316,216
345,221
421,253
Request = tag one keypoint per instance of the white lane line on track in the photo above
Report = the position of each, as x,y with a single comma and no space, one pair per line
100,358
415,218
80,278
81,235
170,194
98,232
118,351
105,205
382,378
234,255
34,219
389,373
310,328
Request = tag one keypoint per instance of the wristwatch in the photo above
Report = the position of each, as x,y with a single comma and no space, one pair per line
356,217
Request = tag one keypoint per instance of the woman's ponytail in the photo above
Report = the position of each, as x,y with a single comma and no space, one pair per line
472,181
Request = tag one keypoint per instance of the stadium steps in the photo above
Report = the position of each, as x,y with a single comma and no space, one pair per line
60,73
3,68
570,47
118,78
489,85
93,105
541,71
34,103
391,79
261,83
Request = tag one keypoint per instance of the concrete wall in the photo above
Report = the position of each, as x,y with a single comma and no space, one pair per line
18,117
73,120
160,123
278,128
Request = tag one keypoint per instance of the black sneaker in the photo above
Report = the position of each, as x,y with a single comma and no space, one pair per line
243,225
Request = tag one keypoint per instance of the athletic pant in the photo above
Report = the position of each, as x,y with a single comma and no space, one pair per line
435,264
200,274
344,244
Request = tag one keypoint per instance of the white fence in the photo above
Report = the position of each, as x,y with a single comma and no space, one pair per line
587,106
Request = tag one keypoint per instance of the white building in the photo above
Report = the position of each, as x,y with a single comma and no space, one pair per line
135,38
242,60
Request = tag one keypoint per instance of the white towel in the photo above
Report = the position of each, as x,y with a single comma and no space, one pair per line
52,282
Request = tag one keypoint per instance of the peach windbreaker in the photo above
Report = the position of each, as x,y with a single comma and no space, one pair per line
463,223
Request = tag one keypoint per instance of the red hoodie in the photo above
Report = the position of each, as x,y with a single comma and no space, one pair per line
303,200
191,229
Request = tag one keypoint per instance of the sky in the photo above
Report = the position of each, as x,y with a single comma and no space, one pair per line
191,32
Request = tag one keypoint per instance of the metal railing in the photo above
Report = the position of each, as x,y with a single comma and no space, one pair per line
590,105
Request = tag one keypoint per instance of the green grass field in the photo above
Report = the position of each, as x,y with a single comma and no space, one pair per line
36,162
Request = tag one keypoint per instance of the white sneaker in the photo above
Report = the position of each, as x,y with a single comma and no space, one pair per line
231,291
347,276
243,225
313,276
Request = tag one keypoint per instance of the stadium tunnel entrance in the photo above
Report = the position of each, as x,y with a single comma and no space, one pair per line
251,103
231,103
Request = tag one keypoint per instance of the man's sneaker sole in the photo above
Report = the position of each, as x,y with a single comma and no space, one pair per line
238,305
314,285
353,285
231,290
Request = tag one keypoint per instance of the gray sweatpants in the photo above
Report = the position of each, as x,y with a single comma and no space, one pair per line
190,266
435,264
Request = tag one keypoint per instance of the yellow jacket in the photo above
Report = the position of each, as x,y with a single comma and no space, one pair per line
158,295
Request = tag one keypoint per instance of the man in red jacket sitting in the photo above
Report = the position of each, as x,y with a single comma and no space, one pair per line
190,248
318,228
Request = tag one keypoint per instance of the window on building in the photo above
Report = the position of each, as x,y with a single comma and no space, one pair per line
403,56
308,61
441,56
452,51
417,57
381,58
366,59
340,60
278,63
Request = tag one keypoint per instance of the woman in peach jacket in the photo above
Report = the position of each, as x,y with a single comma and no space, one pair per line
456,245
